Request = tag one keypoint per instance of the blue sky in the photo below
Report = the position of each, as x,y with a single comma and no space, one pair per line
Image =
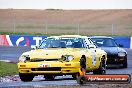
66,4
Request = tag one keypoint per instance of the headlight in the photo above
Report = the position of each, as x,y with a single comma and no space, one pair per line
121,54
24,58
67,57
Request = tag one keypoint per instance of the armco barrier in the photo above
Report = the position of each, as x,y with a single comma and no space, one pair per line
32,41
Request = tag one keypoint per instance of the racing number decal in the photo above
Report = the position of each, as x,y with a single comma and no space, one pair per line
93,58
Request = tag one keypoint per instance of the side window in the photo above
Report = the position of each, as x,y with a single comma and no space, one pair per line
86,42
89,43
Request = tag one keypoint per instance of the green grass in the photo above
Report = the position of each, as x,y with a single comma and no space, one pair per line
50,34
20,33
23,33
28,26
8,69
49,26
61,27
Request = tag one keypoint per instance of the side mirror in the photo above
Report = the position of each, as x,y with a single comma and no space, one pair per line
92,46
120,45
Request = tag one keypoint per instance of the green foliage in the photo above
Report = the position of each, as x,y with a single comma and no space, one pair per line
8,69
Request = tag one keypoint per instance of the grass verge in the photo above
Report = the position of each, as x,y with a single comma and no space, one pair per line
41,34
8,69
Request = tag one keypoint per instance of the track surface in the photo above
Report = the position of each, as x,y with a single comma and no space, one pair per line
12,53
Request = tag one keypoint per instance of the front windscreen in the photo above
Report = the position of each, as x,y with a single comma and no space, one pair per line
62,43
104,42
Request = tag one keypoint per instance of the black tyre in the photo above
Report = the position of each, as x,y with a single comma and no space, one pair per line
125,64
75,76
99,71
81,80
102,68
49,77
26,77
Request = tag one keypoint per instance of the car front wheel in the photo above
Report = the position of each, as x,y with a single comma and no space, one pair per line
76,75
81,80
26,77
49,77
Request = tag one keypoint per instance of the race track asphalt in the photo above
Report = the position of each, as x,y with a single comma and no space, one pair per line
12,54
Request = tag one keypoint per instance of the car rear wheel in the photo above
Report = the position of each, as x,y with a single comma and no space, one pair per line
99,71
49,77
26,77
102,67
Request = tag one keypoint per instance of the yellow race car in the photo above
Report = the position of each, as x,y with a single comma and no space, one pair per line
61,55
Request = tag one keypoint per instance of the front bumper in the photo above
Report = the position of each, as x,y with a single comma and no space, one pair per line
49,67
115,59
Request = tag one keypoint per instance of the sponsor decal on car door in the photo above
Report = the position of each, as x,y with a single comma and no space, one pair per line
93,57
